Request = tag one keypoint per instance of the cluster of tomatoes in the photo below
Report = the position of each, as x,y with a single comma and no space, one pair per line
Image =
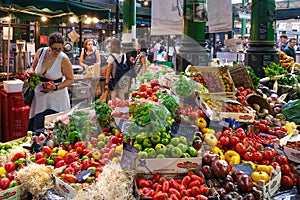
249,146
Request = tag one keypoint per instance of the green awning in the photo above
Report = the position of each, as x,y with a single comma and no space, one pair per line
54,8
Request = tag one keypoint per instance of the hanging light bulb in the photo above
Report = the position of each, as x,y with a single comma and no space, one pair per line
95,20
73,19
44,18
88,20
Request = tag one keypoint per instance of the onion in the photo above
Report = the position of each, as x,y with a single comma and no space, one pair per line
259,91
274,95
277,109
272,92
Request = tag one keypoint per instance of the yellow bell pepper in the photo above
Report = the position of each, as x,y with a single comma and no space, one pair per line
217,150
264,168
258,176
232,157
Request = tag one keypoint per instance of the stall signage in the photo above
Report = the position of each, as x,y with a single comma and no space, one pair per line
179,129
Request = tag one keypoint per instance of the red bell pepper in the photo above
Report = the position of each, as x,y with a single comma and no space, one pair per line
70,178
69,158
41,161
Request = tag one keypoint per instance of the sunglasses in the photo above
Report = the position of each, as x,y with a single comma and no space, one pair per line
56,49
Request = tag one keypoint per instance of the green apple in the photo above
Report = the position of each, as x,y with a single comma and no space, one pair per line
140,138
147,143
176,153
151,152
192,151
170,148
100,144
160,149
155,139
106,139
175,141
183,147
165,141
144,154
160,156
185,155
183,140
165,135
138,147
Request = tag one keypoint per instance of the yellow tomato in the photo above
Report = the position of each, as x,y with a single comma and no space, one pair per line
2,171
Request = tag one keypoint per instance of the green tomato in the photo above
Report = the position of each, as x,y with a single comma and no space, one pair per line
50,162
160,149
147,143
144,154
160,156
13,183
185,155
155,139
176,153
175,141
138,147
151,152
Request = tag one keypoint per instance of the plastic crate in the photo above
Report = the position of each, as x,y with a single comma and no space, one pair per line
15,123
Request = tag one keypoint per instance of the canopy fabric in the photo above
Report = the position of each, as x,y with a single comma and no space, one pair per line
56,7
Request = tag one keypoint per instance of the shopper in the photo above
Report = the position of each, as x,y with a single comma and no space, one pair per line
161,54
89,56
56,74
140,61
116,53
290,48
283,42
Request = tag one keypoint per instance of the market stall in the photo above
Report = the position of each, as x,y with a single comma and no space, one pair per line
202,134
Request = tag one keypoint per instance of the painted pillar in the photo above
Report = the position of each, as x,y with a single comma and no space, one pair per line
262,43
193,51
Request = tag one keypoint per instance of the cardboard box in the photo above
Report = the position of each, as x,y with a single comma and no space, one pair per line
13,86
290,153
66,190
240,117
15,193
166,165
271,188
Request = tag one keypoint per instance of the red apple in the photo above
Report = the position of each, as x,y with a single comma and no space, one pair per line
9,167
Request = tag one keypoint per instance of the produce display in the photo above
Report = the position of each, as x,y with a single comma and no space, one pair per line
162,143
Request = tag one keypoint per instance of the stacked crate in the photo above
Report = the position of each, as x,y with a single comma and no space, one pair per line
14,116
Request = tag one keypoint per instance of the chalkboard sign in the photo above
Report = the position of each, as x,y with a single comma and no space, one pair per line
179,129
246,168
271,15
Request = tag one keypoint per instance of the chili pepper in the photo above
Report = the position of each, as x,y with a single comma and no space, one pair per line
158,188
196,177
186,180
184,193
175,192
174,197
194,184
195,191
160,196
203,189
144,183
174,184
41,161
190,173
161,180
165,186
58,158
70,178
150,193
155,178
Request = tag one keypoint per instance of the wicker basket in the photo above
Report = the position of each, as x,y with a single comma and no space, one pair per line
263,103
240,77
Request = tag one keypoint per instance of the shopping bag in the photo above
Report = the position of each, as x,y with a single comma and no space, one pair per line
28,94
105,97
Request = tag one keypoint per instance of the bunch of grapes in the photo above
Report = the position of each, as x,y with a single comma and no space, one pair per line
33,80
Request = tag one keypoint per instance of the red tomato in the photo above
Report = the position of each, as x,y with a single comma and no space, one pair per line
285,169
248,156
143,87
258,156
224,140
227,133
47,150
4,183
268,154
134,93
287,182
149,91
282,160
39,155
274,164
143,94
240,148
193,115
9,167
234,140
262,127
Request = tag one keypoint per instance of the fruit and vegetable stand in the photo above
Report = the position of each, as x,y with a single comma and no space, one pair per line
193,135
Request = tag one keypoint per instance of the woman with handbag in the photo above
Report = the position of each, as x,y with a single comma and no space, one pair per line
120,87
56,74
